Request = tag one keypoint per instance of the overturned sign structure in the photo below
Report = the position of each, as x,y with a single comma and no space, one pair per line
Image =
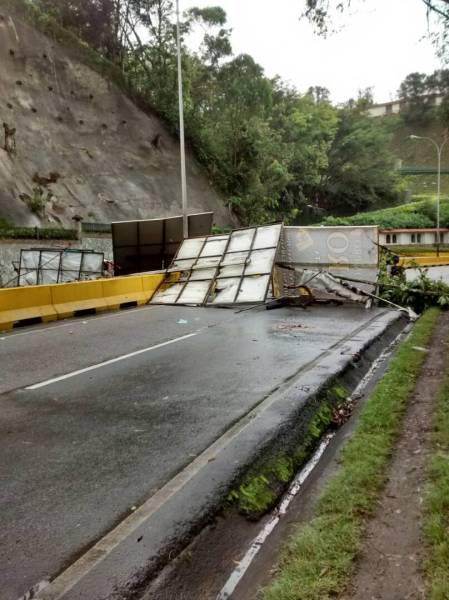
232,268
318,256
49,265
242,266
151,244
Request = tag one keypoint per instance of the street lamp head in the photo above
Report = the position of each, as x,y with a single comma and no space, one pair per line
414,137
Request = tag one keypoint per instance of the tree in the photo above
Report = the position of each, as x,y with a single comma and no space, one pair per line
275,154
320,12
97,22
360,173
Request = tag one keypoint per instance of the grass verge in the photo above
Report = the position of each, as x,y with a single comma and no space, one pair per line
436,510
318,560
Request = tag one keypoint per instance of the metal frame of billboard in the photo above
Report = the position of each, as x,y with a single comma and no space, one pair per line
203,270
51,261
151,244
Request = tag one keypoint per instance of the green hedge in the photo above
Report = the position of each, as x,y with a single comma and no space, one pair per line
36,233
421,214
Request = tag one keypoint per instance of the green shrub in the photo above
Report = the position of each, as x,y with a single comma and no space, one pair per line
421,214
36,233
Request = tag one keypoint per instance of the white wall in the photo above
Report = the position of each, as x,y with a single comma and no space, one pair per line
405,239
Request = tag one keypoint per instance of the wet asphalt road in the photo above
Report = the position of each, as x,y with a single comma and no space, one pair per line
79,453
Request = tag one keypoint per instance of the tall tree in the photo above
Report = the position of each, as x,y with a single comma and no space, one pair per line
360,174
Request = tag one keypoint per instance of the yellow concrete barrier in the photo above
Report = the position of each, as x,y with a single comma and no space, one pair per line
423,261
22,303
125,290
69,298
150,283
58,301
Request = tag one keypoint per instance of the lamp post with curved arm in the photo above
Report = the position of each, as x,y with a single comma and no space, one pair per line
439,149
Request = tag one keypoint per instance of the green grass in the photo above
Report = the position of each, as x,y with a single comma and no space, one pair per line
318,560
436,511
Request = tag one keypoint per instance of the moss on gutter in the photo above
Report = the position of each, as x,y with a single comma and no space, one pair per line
261,488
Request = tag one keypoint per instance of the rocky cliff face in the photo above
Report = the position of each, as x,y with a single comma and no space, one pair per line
80,138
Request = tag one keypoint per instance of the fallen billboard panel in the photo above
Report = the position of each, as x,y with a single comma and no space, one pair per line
347,252
48,265
223,269
151,244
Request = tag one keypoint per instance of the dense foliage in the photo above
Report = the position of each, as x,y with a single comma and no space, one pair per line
274,153
418,92
419,294
414,214
37,233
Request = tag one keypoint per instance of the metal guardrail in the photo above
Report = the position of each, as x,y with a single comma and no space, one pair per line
419,170
96,227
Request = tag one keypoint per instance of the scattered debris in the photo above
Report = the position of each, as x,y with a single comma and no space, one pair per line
287,327
421,349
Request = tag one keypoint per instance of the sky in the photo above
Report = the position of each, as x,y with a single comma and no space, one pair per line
380,43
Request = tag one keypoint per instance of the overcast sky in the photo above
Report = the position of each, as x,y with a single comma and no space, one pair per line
381,42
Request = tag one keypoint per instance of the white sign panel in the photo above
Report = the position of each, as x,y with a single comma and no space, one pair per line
332,246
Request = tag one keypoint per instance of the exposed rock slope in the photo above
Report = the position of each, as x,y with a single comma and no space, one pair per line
109,160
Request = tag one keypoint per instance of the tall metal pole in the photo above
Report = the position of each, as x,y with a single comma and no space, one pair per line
438,199
439,150
185,226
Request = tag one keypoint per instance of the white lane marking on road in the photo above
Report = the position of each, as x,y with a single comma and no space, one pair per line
111,361
236,576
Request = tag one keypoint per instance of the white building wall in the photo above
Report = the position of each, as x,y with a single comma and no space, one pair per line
405,238
377,111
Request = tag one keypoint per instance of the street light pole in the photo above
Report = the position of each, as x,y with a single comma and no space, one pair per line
185,227
439,149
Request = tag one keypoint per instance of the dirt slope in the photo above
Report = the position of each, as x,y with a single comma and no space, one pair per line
114,161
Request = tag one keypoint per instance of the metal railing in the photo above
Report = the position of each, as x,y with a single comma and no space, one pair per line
96,227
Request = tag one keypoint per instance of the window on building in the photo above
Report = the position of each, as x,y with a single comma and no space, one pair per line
395,240
413,238
418,238
388,238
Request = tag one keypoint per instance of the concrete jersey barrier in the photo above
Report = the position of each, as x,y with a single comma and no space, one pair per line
59,301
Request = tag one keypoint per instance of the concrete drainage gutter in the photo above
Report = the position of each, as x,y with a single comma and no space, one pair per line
121,563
